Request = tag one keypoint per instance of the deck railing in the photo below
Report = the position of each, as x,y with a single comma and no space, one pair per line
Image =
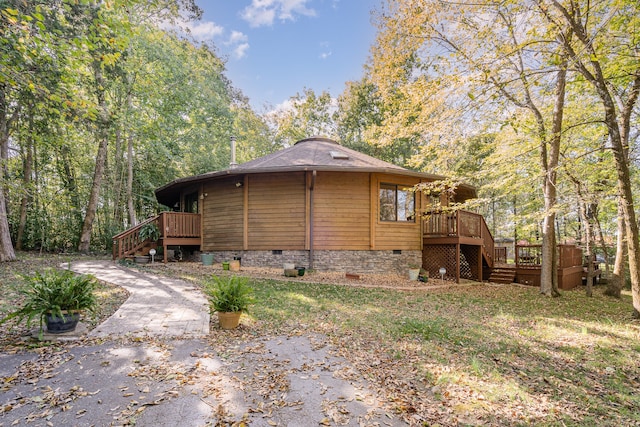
500,255
531,256
179,224
460,224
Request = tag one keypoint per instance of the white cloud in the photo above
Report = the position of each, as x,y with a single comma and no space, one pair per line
240,51
325,55
239,44
264,12
204,30
237,37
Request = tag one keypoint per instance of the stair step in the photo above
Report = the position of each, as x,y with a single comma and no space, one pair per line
502,275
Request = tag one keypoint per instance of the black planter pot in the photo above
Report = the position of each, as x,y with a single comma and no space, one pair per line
58,325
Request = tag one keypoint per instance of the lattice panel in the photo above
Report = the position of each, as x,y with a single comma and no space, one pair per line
436,256
469,262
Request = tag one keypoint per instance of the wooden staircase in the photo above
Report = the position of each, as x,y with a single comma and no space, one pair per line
502,275
129,243
176,229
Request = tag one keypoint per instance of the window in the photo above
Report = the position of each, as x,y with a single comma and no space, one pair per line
191,202
397,203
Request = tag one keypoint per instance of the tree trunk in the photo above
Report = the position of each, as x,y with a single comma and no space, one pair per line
26,197
6,247
550,159
92,205
130,207
632,238
129,189
615,283
68,177
118,211
602,244
588,244
102,134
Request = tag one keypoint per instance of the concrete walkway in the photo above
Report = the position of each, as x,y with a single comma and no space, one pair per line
262,381
157,306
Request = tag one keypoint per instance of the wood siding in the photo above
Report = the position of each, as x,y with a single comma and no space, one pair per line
276,212
222,215
341,211
394,235
272,211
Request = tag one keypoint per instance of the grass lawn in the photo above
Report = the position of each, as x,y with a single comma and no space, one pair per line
489,355
483,354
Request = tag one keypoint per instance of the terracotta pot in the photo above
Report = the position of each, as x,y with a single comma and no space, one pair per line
234,265
229,320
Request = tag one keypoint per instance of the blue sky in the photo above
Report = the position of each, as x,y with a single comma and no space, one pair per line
276,48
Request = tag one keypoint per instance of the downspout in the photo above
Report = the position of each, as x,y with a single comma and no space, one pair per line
311,187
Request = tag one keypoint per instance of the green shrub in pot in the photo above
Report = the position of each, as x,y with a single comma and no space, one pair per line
229,294
55,293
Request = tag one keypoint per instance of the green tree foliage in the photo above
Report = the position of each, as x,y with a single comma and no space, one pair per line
99,106
304,116
604,53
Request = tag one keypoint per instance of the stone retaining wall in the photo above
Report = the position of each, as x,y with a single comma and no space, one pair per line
347,261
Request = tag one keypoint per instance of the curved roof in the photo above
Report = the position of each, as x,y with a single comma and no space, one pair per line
315,153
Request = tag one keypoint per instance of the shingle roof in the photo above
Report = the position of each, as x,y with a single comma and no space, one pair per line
315,153
320,153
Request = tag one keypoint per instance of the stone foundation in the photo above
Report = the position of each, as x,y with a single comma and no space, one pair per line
347,261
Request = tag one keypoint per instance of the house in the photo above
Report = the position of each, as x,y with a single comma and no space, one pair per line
323,206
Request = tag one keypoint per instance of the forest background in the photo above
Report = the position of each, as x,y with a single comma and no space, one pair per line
534,102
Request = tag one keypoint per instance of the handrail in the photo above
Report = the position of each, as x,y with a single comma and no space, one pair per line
129,241
139,225
488,244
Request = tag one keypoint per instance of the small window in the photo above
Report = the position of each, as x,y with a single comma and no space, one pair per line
397,203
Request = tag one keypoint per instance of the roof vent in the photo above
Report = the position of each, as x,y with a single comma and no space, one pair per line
339,155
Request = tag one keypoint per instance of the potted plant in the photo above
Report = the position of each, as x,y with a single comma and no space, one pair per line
414,272
56,298
149,231
229,297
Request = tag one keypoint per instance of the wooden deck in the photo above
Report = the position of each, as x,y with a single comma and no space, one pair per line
176,228
459,241
526,268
